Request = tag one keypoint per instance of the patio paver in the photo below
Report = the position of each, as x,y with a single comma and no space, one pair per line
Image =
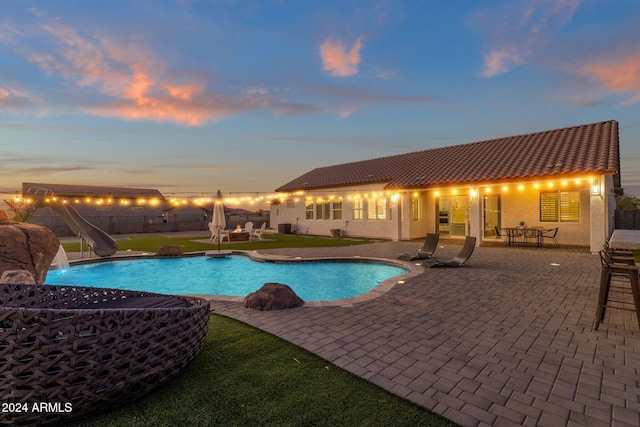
504,340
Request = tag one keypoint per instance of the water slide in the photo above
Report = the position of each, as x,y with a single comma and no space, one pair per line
101,243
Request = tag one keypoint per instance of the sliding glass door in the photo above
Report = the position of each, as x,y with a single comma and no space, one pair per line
453,215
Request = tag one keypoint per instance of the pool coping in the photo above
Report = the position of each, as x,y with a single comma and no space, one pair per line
385,286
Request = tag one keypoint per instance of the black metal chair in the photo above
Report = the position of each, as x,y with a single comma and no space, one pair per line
549,234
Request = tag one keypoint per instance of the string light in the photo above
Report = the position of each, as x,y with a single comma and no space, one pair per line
311,196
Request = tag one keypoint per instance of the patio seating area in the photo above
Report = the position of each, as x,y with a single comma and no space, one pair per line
506,340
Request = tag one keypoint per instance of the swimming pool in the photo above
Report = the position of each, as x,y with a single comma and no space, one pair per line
235,275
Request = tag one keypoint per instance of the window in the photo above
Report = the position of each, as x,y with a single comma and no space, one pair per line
337,210
326,210
308,207
323,210
563,206
549,207
416,209
377,208
358,209
569,206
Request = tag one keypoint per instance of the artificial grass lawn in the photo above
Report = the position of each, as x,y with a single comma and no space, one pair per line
151,243
247,377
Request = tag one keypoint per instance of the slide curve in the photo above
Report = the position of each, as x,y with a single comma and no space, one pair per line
101,243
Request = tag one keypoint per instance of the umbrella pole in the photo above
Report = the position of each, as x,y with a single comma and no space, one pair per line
218,239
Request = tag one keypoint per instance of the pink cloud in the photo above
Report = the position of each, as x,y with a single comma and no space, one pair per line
500,61
135,80
620,74
337,60
520,32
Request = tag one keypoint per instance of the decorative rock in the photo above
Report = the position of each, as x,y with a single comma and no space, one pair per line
27,247
17,277
273,296
170,251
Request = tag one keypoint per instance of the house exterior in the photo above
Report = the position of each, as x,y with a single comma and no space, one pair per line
562,178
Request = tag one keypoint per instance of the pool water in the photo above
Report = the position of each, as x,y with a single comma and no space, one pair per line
231,276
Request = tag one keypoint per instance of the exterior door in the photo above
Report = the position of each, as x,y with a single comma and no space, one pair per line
491,215
453,217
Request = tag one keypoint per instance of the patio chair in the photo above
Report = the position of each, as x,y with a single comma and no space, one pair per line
549,234
248,228
619,255
214,234
533,233
625,298
459,260
427,250
498,233
258,232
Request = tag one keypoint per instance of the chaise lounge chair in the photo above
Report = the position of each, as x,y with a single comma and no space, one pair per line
459,260
427,250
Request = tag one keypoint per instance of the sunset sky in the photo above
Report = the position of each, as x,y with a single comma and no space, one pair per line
192,96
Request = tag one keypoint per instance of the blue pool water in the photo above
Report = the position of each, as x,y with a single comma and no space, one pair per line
230,276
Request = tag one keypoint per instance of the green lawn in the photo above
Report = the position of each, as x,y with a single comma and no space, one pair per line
247,377
151,243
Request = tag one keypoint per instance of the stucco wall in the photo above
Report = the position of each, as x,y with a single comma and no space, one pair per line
515,205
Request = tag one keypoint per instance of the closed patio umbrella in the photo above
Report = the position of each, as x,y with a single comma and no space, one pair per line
218,220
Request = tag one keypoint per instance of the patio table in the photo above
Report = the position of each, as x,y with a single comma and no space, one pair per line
520,235
625,239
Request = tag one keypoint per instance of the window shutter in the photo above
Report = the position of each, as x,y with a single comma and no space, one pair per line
569,206
549,207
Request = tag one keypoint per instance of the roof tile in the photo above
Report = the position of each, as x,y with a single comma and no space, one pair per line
591,148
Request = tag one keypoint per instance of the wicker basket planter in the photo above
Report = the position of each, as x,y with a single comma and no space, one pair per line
66,352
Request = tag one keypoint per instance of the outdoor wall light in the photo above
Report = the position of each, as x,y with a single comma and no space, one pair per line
474,193
595,189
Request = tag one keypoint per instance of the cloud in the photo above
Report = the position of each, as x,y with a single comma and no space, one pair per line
500,61
44,171
337,60
125,79
619,73
522,30
15,100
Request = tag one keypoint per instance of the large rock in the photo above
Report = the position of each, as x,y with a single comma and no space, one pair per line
20,277
27,247
273,296
169,251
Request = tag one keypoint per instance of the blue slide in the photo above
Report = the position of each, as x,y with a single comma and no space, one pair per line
101,243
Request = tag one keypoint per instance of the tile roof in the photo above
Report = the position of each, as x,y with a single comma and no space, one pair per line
32,188
590,148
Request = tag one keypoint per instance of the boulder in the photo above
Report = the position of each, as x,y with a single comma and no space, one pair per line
17,277
273,296
27,247
169,251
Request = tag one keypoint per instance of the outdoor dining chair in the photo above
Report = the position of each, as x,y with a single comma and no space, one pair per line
549,234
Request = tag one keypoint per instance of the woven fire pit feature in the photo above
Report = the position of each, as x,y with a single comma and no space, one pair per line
66,352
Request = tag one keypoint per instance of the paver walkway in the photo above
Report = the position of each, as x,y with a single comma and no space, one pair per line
504,340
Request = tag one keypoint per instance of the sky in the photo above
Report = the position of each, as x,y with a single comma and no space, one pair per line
192,96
